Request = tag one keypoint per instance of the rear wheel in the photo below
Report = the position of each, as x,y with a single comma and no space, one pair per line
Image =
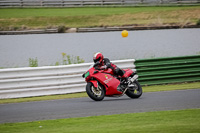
135,91
94,93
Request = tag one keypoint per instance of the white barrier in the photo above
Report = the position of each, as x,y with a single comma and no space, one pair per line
48,80
78,3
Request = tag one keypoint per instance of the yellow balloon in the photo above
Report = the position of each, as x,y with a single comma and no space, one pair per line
124,33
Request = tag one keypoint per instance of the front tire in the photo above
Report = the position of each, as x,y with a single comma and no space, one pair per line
136,91
97,94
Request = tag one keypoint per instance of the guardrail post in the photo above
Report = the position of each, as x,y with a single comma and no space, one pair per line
62,3
122,2
21,3
102,1
41,3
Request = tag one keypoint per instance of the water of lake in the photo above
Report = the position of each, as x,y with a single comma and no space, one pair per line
15,50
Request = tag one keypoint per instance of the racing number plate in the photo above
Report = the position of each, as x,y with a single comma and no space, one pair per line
87,74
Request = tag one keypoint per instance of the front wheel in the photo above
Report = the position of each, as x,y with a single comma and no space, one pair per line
135,91
97,94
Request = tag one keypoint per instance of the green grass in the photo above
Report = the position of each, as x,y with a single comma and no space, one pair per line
26,18
195,85
180,121
171,87
82,11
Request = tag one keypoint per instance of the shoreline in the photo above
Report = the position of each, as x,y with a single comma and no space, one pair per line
98,29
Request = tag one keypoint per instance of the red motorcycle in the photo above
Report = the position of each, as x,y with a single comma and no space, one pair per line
102,82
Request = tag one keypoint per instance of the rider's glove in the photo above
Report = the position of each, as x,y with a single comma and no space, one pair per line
105,67
108,65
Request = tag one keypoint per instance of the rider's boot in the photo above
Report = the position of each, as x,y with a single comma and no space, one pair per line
122,86
119,88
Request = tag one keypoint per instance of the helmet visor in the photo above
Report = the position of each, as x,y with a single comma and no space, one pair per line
98,59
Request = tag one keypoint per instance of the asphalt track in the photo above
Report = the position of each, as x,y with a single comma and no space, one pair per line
82,107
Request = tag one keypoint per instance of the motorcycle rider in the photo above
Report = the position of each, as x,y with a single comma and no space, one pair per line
105,62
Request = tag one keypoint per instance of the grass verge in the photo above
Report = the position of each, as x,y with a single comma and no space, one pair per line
179,121
170,87
26,18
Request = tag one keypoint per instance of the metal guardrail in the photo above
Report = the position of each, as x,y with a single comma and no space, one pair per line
168,70
28,82
78,3
47,80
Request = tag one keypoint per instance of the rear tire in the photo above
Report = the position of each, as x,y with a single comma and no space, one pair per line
97,94
135,92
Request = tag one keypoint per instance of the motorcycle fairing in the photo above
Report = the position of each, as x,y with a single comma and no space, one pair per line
95,83
128,72
109,82
108,71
